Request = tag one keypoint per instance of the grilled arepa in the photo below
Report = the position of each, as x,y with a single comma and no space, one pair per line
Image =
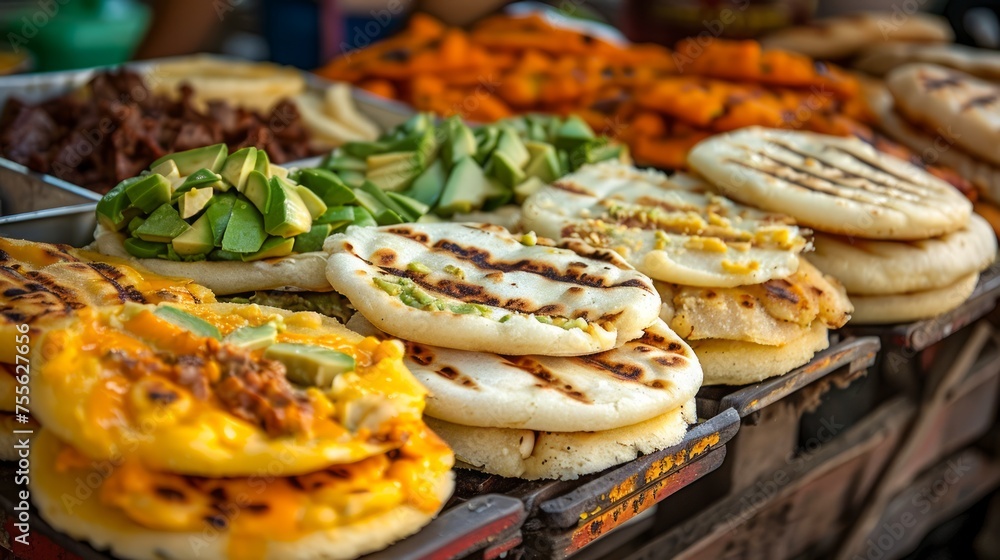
338,512
202,389
477,287
41,282
668,231
773,313
832,184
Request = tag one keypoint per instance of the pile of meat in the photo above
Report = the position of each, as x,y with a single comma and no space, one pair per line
115,127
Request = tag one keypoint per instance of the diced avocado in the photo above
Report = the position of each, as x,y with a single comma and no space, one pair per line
218,213
162,225
498,195
529,187
460,143
467,189
423,144
149,193
258,190
313,239
273,247
262,163
536,131
486,142
378,161
327,185
389,217
208,157
545,166
145,249
385,201
112,209
311,365
287,215
418,123
344,162
279,171
534,148
595,151
427,187
563,157
363,218
352,179
572,133
168,169
368,202
397,174
185,320
196,241
430,219
201,178
506,171
253,338
238,166
223,255
364,149
134,223
193,201
510,145
336,216
412,207
245,231
313,202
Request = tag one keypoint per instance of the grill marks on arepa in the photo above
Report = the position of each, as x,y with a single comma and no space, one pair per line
811,171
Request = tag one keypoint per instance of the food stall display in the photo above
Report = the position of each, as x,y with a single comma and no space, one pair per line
441,307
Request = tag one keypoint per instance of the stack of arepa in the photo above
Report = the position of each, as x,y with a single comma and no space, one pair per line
905,244
541,362
948,117
730,277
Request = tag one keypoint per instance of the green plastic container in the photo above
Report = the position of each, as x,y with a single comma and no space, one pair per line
67,34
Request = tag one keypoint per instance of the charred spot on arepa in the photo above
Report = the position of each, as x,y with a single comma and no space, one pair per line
547,379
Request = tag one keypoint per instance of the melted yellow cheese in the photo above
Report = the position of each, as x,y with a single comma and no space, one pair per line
85,394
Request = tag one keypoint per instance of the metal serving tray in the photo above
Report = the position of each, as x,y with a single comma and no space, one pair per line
40,207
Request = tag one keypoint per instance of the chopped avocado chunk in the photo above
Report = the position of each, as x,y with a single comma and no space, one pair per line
148,193
311,365
262,164
336,216
196,241
511,146
168,169
327,185
506,171
352,179
135,223
313,202
368,202
364,149
344,162
258,190
461,143
223,255
395,176
162,225
428,185
287,215
378,161
273,247
384,200
245,230
193,201
183,319
200,179
208,157
545,166
413,208
253,338
388,217
486,142
363,218
112,208
467,189
278,171
572,133
218,213
145,249
595,151
238,166
313,239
